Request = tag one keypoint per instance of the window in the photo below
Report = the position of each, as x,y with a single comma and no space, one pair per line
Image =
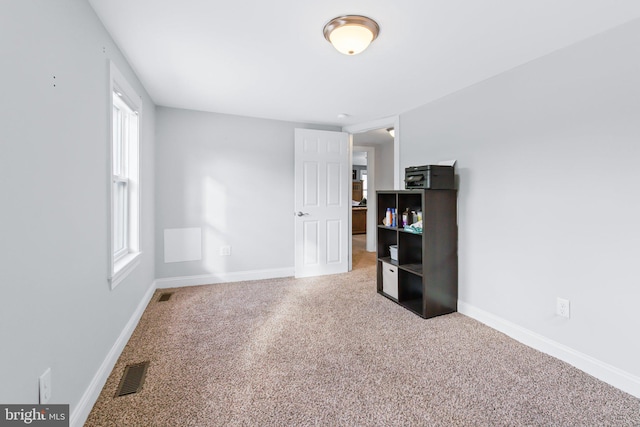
124,254
364,184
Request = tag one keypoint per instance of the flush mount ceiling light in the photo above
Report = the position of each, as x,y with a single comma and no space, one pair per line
351,34
392,132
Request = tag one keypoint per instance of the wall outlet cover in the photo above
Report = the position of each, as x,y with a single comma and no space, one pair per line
563,308
45,386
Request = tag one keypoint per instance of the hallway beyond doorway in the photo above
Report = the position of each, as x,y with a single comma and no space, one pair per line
360,257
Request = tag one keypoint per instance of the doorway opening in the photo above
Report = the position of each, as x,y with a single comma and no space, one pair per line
373,168
360,258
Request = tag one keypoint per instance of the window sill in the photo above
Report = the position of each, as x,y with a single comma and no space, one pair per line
123,267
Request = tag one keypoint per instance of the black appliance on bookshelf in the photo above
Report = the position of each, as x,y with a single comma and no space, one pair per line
430,177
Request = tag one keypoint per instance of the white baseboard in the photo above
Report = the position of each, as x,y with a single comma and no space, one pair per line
83,409
209,279
603,371
81,412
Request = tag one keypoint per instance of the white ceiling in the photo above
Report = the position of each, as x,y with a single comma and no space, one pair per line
269,58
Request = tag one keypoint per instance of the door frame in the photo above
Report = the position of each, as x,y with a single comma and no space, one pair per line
384,123
387,122
371,188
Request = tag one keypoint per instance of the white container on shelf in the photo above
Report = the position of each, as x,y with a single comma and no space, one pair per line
390,279
393,249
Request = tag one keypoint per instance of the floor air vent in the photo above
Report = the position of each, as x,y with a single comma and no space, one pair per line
132,379
165,296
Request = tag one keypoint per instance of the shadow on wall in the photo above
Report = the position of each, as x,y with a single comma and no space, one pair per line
215,244
194,243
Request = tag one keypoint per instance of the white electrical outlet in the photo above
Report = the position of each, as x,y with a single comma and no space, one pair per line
563,308
225,250
45,386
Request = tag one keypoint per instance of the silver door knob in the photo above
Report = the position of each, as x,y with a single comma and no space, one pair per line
301,213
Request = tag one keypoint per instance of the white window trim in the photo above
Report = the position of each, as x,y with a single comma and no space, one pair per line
118,255
121,267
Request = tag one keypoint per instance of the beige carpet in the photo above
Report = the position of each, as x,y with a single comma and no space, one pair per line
329,351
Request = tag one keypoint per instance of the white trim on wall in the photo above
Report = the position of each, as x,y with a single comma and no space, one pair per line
210,279
120,268
371,199
81,412
383,124
603,371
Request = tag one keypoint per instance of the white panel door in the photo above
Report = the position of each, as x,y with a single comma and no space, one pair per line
322,205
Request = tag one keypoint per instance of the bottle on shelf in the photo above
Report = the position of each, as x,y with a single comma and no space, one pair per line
423,276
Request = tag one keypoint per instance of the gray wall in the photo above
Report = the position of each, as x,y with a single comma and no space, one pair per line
233,177
57,307
548,182
548,203
384,166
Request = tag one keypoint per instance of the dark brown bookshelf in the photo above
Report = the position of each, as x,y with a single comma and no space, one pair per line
427,264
